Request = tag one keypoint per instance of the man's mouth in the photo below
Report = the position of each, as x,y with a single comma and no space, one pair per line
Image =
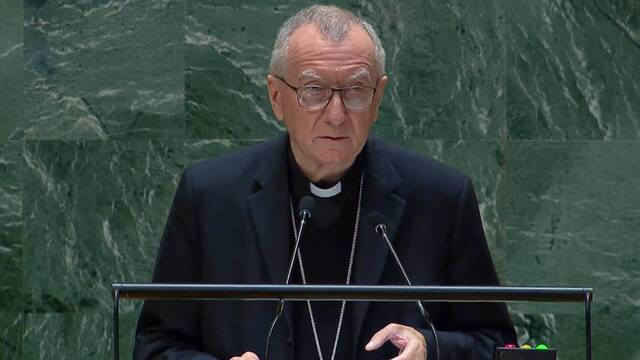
334,138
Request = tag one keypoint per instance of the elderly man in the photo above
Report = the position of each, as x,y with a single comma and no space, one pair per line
233,221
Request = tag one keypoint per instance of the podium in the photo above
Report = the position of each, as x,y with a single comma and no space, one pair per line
350,293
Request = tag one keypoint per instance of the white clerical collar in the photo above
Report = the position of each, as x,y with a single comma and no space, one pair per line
326,193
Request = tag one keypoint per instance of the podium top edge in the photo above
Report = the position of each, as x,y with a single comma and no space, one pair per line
157,291
419,288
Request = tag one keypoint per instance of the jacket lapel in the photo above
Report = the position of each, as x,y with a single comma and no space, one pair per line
381,179
269,211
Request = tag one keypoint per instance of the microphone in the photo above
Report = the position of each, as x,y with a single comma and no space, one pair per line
305,208
381,229
307,204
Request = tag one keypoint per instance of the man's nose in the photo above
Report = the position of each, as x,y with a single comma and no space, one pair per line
335,112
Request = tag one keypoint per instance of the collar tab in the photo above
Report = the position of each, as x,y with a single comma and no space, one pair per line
326,193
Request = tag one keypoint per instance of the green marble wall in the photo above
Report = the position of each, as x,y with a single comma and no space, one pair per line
102,104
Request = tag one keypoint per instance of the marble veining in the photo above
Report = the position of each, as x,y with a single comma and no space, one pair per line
11,62
88,73
572,72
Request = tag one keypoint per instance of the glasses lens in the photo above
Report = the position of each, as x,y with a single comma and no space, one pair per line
357,98
314,96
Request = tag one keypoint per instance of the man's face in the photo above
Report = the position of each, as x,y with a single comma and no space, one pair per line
325,142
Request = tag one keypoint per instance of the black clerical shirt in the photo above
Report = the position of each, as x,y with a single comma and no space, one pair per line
326,248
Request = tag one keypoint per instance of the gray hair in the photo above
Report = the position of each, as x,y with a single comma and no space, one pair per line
333,22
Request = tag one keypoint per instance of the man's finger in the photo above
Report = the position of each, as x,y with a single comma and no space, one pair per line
246,356
410,343
381,337
250,356
399,340
410,351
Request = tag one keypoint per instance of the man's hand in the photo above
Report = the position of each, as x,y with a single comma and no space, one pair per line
246,356
410,341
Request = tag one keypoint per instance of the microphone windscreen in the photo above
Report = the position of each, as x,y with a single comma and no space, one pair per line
377,218
307,204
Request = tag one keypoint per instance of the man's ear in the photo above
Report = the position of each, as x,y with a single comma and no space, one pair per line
275,96
382,83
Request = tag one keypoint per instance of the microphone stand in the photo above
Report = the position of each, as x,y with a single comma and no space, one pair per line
381,229
305,214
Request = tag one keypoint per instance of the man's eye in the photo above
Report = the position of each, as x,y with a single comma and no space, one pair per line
313,89
355,90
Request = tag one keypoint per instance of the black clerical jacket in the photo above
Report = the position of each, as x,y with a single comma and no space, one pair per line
230,223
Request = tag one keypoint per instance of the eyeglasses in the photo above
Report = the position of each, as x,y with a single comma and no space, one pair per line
315,96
